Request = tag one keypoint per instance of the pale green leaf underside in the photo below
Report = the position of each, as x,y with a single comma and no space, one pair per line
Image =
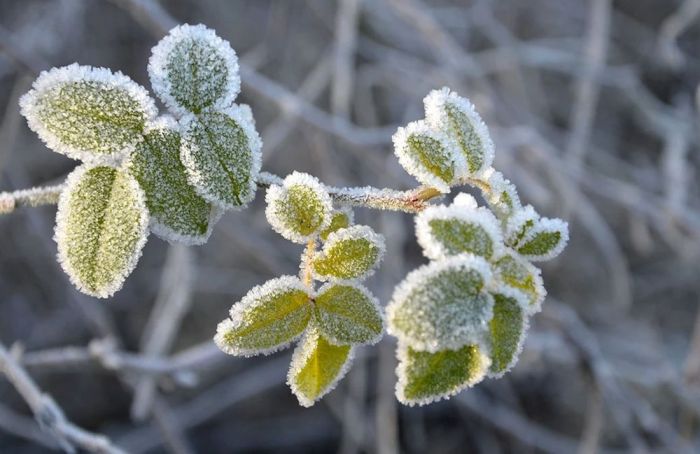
197,74
301,209
346,315
541,243
91,116
219,159
432,155
171,200
272,321
462,130
339,220
347,259
506,332
426,377
445,310
323,365
101,229
458,236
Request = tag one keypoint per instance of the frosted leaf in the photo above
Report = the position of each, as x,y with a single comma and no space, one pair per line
514,271
101,227
443,231
426,377
192,69
178,214
519,224
545,240
502,197
268,318
442,305
317,366
348,314
87,113
507,330
351,253
221,153
465,201
340,219
456,116
428,155
299,209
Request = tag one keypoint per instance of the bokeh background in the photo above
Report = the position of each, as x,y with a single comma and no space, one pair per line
593,106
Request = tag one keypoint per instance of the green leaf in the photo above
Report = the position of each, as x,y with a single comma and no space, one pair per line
426,377
519,224
267,319
340,219
428,155
500,194
442,305
348,314
457,117
350,253
516,272
221,154
192,69
507,331
317,366
545,240
87,113
444,231
299,209
178,214
101,227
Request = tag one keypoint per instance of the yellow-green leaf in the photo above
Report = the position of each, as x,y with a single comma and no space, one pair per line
545,240
516,272
506,331
348,314
351,253
317,366
426,377
101,227
340,219
268,318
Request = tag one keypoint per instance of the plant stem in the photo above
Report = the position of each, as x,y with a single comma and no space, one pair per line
47,195
307,274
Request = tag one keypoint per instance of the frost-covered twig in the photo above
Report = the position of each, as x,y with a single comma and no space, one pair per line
49,415
47,195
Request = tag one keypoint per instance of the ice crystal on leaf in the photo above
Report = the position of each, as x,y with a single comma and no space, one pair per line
502,196
443,304
348,313
351,253
443,231
545,240
221,154
317,366
178,213
457,118
192,69
426,377
101,227
88,113
514,271
340,219
299,209
507,330
519,224
428,155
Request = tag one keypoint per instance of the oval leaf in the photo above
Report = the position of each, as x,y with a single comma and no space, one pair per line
507,331
101,227
221,153
500,194
317,366
545,240
428,155
192,69
426,377
87,113
267,319
444,231
456,116
351,253
348,314
178,214
514,271
299,209
442,305
340,219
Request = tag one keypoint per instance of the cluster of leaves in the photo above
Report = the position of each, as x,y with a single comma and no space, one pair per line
464,316
141,172
331,320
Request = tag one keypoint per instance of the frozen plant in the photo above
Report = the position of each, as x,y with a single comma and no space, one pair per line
458,319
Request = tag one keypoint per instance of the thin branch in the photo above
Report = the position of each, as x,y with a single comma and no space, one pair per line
34,197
